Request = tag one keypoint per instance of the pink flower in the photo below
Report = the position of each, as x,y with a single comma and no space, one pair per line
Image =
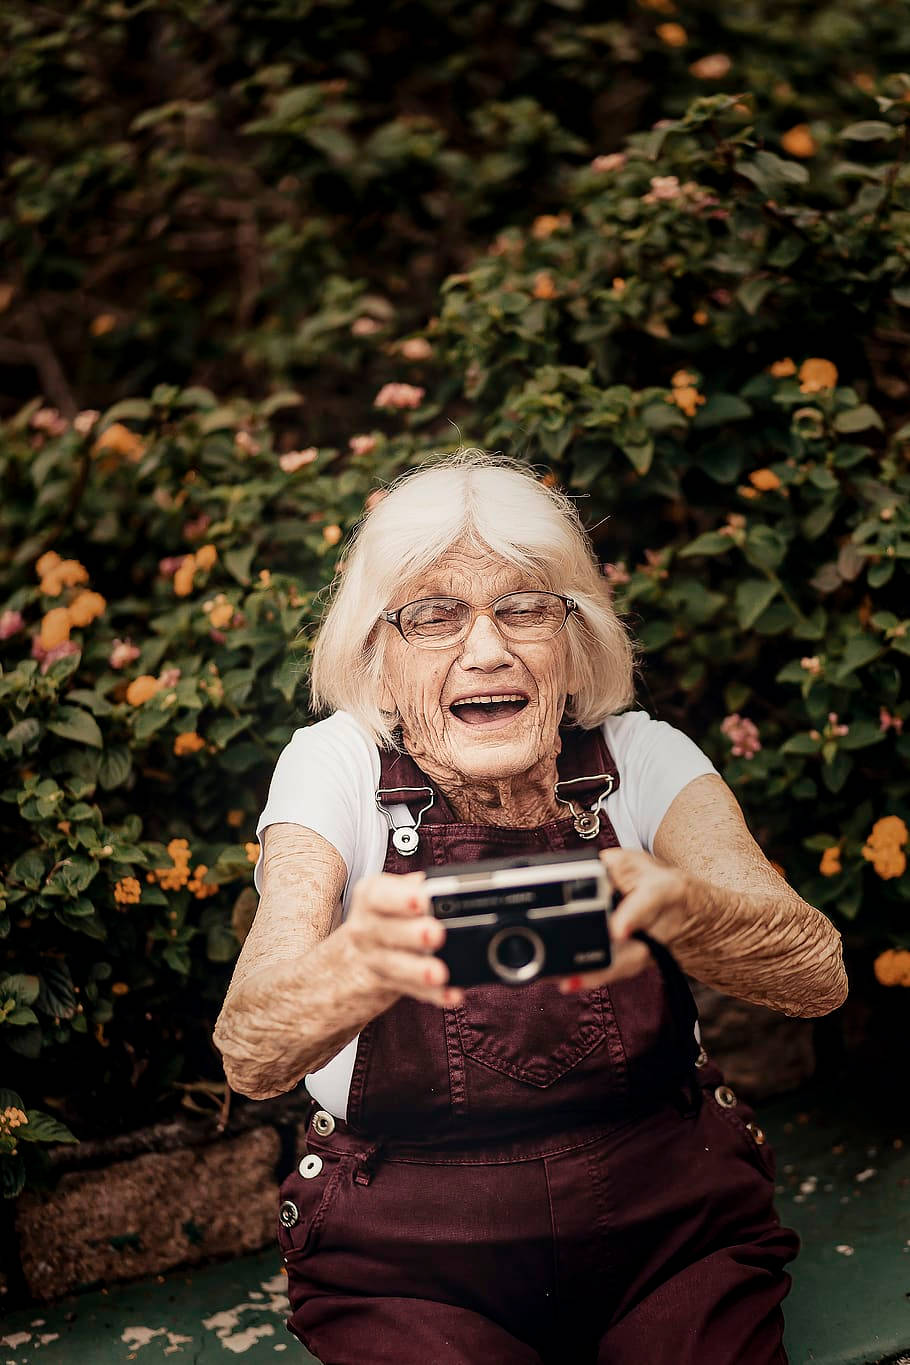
49,420
362,445
169,677
218,636
194,529
888,722
10,622
812,664
399,396
85,420
50,656
169,566
616,573
743,735
663,187
416,348
613,161
244,442
833,728
365,327
293,460
122,653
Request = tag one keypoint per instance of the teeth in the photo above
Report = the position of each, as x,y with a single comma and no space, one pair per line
506,696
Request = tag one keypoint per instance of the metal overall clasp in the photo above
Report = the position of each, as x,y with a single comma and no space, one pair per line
586,822
404,836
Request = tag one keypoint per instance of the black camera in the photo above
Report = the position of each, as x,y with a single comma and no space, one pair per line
515,919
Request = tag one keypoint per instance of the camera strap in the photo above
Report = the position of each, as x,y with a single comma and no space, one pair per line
401,822
586,822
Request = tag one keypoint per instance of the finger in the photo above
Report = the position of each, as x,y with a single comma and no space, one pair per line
628,960
637,910
388,894
624,865
424,934
403,971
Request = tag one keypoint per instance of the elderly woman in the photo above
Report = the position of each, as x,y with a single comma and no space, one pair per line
514,1174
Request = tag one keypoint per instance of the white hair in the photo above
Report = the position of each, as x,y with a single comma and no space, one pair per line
487,502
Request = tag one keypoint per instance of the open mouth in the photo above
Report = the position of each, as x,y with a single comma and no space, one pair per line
485,710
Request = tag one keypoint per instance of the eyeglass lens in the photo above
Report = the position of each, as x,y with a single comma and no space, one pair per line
441,620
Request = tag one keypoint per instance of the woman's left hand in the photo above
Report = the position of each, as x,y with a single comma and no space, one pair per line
654,898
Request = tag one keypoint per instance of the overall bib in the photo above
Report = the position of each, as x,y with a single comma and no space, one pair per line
533,1178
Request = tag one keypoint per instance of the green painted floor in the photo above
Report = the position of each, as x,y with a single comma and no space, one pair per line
843,1183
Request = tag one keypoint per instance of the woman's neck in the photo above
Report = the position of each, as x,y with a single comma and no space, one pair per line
522,801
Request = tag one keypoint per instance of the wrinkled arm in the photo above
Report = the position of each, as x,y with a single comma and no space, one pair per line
298,993
742,929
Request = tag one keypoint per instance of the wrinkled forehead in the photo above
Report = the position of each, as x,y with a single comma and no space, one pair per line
475,574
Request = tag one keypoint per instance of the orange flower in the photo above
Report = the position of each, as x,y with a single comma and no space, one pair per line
548,223
544,285
188,742
183,578
199,887
682,379
686,398
331,534
235,818
764,480
55,627
711,68
221,615
127,891
884,848
102,324
252,851
830,864
700,317
798,141
892,967
206,556
119,988
674,35
66,573
47,562
619,285
141,689
119,440
781,368
85,606
816,374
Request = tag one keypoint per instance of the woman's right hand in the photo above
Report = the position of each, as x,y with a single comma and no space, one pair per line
395,938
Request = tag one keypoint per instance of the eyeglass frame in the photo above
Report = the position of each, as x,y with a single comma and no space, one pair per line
392,617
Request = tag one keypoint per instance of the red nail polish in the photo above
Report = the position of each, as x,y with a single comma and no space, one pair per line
573,983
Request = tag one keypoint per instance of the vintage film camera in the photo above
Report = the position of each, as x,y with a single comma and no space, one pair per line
512,920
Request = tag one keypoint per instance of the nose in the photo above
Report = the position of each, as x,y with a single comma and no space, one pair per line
484,647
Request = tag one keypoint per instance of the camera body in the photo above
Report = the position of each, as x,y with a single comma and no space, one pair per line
512,920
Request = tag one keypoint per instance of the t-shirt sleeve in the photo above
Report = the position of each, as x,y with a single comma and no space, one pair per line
317,782
656,761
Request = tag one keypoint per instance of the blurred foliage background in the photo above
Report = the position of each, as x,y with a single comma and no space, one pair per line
260,257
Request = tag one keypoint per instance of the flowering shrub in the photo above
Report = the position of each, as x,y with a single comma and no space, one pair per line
699,329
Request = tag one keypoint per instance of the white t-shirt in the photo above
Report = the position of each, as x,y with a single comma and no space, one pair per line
327,774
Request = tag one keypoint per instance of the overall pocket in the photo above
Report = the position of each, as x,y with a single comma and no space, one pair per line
531,1033
305,1199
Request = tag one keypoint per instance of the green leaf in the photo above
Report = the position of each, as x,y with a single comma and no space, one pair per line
720,408
238,562
42,1127
835,773
12,1175
751,293
223,730
28,869
709,543
861,734
56,996
869,130
800,744
22,987
858,419
71,722
752,596
115,767
765,547
860,650
137,408
149,721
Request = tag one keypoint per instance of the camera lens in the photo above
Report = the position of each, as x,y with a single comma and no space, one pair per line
516,953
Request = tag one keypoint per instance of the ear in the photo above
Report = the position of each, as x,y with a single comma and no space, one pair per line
386,700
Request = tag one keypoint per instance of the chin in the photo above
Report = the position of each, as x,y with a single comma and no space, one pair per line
492,754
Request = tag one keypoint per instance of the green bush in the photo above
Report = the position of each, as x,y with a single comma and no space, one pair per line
699,330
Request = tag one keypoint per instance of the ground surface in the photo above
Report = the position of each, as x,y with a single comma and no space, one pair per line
843,1183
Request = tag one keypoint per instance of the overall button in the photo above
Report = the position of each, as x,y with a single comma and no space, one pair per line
310,1166
323,1122
702,1058
725,1097
288,1214
757,1133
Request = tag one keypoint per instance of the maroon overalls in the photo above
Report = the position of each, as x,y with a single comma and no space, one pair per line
534,1177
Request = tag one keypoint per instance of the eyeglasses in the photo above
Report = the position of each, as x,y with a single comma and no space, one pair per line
438,622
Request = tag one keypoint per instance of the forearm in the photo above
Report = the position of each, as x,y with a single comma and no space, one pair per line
291,1018
761,946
